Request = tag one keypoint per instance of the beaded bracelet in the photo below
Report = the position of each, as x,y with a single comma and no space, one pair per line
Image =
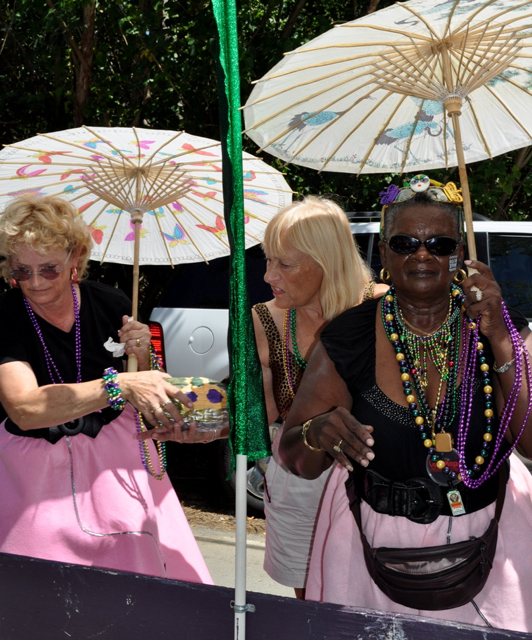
114,392
304,429
156,363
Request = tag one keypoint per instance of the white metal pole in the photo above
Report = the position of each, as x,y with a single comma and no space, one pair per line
239,605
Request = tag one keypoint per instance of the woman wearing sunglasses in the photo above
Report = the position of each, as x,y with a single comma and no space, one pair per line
420,397
75,486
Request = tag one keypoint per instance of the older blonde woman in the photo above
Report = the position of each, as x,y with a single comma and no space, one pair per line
75,487
316,273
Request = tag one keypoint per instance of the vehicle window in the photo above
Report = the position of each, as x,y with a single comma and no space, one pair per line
511,263
368,244
206,286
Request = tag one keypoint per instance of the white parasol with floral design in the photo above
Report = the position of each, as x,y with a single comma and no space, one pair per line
415,86
148,196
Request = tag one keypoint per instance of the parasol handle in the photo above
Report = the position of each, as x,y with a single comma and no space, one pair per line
464,183
453,105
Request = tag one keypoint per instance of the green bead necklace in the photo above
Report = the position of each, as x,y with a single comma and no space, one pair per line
299,359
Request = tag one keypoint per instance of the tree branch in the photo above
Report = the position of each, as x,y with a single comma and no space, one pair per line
523,157
70,38
289,26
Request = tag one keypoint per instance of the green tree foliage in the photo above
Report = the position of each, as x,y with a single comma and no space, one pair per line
152,63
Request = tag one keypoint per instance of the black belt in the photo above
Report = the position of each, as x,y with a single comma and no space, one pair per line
418,499
90,425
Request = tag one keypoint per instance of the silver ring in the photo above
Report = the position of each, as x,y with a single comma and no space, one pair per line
478,295
337,447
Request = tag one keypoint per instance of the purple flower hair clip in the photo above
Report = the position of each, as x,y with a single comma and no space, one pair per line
389,194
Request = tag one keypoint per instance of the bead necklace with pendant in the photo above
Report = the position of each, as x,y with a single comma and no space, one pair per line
409,375
434,345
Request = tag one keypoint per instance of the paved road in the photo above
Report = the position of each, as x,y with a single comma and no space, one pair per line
218,549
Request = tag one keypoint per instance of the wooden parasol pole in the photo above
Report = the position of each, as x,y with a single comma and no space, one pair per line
136,218
453,105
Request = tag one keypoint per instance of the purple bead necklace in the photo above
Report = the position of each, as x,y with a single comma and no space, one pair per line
470,353
53,372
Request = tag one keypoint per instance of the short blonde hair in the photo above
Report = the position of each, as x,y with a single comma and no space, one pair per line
43,223
319,228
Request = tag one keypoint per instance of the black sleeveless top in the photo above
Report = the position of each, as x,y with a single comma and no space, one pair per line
399,451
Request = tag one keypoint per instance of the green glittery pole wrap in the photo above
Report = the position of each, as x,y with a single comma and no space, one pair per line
245,396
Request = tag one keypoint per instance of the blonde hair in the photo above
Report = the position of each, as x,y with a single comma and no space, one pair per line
43,223
319,228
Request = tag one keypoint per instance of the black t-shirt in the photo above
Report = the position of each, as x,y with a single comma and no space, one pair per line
101,311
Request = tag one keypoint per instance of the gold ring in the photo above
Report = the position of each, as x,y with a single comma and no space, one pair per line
138,342
337,447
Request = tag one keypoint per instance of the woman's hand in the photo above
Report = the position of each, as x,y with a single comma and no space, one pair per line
137,338
340,435
150,393
485,300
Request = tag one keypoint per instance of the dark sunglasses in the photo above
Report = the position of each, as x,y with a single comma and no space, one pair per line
48,273
437,246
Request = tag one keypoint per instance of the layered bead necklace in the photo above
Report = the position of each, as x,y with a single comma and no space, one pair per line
53,372
443,348
289,331
145,452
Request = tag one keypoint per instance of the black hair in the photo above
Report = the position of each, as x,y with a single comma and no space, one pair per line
422,198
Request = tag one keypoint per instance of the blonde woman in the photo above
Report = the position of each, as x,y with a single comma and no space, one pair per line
75,487
316,273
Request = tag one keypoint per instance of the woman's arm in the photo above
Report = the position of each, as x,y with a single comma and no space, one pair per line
493,326
323,397
32,407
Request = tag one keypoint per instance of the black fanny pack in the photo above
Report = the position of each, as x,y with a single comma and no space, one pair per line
431,578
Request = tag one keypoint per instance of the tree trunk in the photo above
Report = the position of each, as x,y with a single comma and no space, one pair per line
373,6
82,56
84,69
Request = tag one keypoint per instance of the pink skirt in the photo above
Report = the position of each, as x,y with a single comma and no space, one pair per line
90,501
338,571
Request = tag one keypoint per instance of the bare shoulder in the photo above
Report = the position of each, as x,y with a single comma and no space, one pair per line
380,289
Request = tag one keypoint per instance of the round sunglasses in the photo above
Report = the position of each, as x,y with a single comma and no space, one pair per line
48,273
437,246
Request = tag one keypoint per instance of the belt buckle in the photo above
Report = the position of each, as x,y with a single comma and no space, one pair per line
424,501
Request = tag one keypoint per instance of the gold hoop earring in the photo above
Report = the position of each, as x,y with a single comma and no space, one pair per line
385,276
462,274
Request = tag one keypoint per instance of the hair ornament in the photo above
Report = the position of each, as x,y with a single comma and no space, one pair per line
419,183
389,194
